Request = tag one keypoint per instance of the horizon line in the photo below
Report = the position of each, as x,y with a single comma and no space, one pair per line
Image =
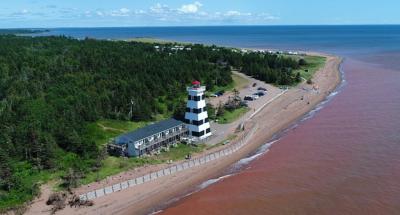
186,26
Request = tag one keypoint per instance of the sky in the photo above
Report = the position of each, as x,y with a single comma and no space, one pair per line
122,13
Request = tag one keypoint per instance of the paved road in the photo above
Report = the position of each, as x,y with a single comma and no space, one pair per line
222,131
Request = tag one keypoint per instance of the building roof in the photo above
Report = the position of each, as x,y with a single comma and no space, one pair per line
147,131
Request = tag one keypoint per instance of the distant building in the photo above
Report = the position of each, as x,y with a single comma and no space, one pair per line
196,116
150,138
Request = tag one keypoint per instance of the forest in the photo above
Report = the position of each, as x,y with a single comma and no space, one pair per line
51,88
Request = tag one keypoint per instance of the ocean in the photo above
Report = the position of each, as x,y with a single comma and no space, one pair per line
343,158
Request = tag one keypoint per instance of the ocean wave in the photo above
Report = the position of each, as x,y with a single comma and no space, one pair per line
212,181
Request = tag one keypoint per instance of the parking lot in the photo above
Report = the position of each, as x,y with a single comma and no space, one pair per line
221,131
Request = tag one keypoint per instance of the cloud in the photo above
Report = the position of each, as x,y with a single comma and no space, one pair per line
21,12
157,14
99,13
121,12
233,13
160,8
190,8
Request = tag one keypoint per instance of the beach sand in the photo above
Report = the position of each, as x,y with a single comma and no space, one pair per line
276,116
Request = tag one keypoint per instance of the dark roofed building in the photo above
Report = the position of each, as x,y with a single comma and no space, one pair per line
147,139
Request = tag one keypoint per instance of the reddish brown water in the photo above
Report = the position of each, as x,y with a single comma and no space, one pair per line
344,160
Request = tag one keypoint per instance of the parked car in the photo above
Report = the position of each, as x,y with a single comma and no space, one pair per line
220,93
260,93
249,98
244,104
256,97
262,89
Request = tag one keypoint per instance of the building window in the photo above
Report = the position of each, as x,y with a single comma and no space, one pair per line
205,109
203,97
201,133
208,130
187,121
206,120
189,97
188,110
197,98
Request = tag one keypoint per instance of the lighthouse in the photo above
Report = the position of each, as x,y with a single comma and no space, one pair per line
196,116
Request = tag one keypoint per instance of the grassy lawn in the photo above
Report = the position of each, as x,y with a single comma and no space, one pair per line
104,130
314,64
114,165
238,83
179,152
231,116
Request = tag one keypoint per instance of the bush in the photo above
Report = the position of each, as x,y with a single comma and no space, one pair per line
302,62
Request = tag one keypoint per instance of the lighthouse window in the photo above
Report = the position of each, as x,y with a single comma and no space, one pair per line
195,134
196,110
197,122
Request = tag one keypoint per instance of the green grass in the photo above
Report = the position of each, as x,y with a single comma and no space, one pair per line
231,116
28,181
114,165
314,63
103,131
179,152
238,83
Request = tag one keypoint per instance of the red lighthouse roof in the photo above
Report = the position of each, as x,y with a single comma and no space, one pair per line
196,83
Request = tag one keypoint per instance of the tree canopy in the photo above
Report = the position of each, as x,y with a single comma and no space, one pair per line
52,87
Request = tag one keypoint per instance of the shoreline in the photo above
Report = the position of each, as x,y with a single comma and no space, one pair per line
274,118
257,141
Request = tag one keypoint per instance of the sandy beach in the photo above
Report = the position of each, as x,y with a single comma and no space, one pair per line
274,117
